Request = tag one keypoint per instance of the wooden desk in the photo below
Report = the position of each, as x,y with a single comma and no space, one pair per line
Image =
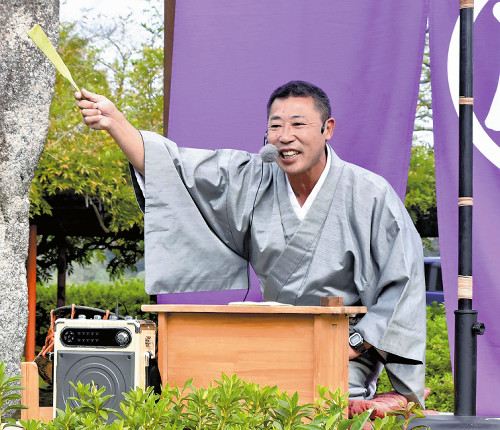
294,347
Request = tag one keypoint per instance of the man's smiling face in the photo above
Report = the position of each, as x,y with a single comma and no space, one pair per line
294,127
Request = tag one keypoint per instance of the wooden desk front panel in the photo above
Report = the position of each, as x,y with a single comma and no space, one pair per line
297,352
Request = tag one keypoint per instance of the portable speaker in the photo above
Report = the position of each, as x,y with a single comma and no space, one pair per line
109,353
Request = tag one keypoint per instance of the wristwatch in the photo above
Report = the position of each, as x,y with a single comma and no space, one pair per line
356,341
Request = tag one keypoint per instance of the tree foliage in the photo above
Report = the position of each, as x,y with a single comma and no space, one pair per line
423,119
421,187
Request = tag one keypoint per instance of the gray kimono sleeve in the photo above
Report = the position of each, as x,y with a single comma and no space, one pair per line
396,319
186,219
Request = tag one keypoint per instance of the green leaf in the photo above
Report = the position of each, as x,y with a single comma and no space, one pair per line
360,421
40,38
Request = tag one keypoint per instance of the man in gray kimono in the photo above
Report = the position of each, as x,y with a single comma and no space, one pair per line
310,224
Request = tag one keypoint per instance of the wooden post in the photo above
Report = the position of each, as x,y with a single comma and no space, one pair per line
31,275
167,60
30,396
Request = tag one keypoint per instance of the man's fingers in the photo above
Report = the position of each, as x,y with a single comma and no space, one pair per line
85,95
92,119
86,105
96,109
91,112
92,96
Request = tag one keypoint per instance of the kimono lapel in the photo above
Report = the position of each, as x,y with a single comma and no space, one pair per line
289,220
289,270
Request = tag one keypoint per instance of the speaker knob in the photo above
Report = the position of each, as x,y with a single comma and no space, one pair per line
122,338
69,336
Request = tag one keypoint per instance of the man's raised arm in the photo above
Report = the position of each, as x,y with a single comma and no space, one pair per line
99,113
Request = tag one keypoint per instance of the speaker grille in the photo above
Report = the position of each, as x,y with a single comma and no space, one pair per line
113,370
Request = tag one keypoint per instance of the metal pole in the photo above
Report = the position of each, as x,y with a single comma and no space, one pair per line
466,326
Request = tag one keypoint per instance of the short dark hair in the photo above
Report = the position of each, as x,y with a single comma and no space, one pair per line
303,89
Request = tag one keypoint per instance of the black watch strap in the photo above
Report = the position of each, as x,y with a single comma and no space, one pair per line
356,341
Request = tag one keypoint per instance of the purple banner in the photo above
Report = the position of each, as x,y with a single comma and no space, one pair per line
229,56
444,39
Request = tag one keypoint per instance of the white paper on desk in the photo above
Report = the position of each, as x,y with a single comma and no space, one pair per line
258,304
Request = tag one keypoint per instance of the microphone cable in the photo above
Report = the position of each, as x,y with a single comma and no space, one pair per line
268,153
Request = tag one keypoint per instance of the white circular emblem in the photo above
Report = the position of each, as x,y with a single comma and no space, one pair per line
481,139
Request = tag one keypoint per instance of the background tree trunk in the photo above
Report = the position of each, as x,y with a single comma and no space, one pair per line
27,82
62,267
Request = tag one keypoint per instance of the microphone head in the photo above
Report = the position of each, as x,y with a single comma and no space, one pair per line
268,153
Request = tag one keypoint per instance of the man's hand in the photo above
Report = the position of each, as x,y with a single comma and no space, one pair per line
101,114
353,353
98,112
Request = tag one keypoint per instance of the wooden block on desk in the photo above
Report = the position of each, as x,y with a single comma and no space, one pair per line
331,301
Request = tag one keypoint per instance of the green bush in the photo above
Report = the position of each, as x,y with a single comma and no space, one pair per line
9,395
231,404
130,293
438,375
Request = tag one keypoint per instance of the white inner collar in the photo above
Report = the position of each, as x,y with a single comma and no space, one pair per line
301,211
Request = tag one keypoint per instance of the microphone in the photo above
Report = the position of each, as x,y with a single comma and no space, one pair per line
268,153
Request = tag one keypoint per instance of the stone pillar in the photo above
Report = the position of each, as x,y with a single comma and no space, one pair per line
27,82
